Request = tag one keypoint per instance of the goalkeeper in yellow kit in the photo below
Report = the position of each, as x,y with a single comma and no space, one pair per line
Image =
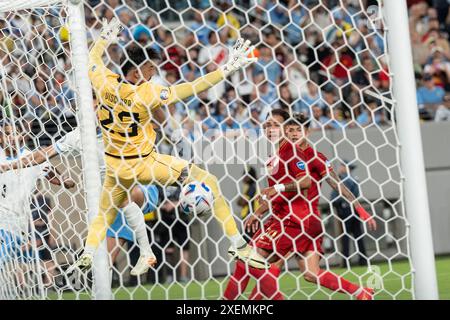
125,114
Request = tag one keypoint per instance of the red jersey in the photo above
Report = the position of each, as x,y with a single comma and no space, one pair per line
286,167
318,167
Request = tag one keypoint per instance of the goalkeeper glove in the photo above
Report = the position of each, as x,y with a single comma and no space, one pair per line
239,57
365,216
110,31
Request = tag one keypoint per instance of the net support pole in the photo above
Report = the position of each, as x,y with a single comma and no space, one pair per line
411,152
87,123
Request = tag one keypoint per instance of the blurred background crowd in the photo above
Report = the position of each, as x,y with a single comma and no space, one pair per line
314,57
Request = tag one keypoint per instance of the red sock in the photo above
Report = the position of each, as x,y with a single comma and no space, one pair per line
337,283
266,283
256,294
238,282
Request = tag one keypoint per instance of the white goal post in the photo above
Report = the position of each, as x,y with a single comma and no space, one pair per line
405,123
412,157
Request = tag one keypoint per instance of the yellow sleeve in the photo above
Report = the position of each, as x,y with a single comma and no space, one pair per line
98,73
188,89
154,95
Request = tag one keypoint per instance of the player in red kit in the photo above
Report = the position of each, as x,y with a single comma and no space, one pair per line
310,250
275,240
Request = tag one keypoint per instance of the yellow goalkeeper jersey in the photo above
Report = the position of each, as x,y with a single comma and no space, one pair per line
124,110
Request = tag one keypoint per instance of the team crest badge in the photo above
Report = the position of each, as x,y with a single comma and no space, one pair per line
94,67
301,165
164,94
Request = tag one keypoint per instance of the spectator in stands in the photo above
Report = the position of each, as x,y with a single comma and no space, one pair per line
241,114
267,66
363,76
267,92
190,70
443,110
352,226
339,120
371,113
319,120
420,51
174,55
286,101
438,67
438,39
253,123
228,18
429,94
311,97
339,66
214,52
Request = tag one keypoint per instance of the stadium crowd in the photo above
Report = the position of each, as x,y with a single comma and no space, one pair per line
317,59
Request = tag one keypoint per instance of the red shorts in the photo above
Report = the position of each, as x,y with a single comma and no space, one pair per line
282,237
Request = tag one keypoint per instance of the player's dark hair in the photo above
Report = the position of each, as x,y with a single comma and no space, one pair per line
279,112
136,56
299,119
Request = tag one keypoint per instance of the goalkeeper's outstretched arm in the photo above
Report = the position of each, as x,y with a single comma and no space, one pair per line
239,58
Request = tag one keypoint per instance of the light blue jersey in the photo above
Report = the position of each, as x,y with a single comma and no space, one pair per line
11,248
120,228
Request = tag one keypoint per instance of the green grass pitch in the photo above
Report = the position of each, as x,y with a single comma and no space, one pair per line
396,284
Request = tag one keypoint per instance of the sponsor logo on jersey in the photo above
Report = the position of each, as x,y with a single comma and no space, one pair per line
94,67
301,165
328,163
164,94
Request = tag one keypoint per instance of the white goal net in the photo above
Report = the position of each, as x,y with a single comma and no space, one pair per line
324,59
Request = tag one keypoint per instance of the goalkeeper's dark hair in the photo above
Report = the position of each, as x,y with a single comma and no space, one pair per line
279,112
299,119
135,56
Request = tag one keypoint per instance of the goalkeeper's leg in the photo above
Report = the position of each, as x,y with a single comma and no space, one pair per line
168,170
113,194
134,215
239,248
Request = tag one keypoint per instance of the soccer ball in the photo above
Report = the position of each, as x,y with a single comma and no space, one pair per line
196,197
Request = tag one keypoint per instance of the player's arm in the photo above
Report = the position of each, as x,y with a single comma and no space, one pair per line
297,169
57,178
33,159
298,185
301,183
239,58
109,34
252,222
337,185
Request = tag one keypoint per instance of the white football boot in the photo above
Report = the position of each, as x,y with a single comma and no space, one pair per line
249,255
144,263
